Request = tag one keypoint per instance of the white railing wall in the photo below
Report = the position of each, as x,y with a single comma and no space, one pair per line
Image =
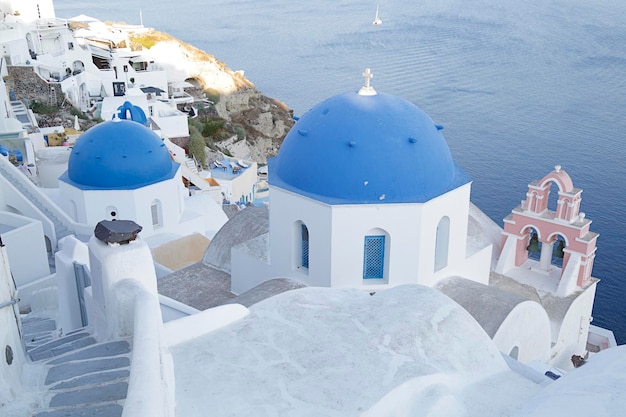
151,385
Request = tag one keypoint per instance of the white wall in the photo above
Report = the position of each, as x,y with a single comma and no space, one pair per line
574,328
113,267
10,374
527,327
336,241
14,201
173,126
244,183
26,248
29,9
94,205
286,209
247,270
16,51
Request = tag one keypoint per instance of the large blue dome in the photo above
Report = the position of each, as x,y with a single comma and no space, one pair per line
118,155
355,148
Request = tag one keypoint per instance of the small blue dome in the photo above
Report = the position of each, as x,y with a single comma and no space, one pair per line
355,148
118,155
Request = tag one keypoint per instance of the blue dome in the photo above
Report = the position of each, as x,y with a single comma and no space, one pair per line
355,148
118,155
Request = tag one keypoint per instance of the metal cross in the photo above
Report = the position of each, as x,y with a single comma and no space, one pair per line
368,76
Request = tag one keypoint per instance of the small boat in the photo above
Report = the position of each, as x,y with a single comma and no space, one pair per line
377,20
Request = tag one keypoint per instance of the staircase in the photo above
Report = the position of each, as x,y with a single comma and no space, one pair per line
191,164
21,113
189,167
83,378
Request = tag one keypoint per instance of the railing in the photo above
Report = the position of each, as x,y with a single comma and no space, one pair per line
9,303
151,384
63,224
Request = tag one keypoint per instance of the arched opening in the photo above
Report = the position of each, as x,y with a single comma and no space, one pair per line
49,248
73,211
553,196
77,67
558,250
157,214
442,242
375,254
31,46
304,240
301,246
534,244
514,352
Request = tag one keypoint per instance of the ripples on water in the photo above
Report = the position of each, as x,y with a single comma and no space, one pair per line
519,87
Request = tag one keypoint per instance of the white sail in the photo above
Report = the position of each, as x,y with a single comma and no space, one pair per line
377,20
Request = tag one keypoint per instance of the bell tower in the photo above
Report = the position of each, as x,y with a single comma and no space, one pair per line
562,232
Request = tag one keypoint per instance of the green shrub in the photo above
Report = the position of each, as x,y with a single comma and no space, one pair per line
75,112
212,127
197,148
212,95
41,108
239,131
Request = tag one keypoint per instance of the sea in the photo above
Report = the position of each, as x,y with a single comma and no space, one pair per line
520,86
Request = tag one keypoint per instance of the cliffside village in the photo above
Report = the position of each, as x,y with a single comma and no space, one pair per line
88,68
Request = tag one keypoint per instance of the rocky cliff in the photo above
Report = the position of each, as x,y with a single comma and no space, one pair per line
265,120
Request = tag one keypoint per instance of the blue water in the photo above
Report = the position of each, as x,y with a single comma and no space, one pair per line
519,86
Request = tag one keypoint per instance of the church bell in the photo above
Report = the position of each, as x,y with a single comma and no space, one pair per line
533,246
558,251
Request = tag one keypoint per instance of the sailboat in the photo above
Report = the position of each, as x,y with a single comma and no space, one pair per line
377,20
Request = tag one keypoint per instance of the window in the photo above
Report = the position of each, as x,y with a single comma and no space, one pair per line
374,257
119,89
441,243
155,209
304,237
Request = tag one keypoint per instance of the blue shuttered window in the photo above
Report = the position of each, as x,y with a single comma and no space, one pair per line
374,257
305,246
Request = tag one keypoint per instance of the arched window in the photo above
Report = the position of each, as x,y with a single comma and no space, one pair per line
74,211
304,244
534,244
553,197
374,257
157,215
442,242
558,251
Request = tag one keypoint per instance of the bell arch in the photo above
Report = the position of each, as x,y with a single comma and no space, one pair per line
561,237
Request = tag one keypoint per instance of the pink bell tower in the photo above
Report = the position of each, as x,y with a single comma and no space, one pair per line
565,224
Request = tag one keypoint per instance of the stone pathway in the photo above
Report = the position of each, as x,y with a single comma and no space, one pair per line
84,378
